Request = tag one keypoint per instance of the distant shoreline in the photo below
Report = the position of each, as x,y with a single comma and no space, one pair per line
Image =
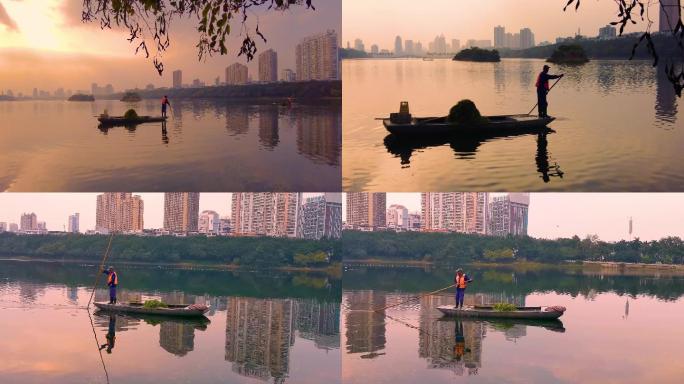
333,269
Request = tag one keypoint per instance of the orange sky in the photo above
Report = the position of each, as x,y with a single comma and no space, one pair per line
44,44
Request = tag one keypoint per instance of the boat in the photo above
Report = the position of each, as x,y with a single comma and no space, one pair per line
485,311
176,310
440,126
111,121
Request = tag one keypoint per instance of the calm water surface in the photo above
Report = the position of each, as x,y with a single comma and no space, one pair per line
277,328
206,145
617,128
617,329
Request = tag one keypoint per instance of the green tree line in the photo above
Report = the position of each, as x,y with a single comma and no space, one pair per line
463,248
246,251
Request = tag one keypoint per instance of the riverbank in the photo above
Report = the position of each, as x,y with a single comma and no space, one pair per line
334,269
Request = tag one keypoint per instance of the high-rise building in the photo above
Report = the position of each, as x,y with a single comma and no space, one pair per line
366,211
439,45
397,217
455,45
509,214
28,222
608,32
375,49
268,66
670,15
74,225
500,37
289,75
14,227
181,211
398,46
178,79
464,212
418,48
526,38
414,221
358,45
321,217
3,226
265,214
237,74
209,223
317,57
408,48
119,212
225,226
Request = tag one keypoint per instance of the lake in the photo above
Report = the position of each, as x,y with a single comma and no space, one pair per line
617,328
262,327
617,130
207,145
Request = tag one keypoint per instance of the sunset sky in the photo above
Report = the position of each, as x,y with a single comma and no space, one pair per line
55,208
44,44
554,215
380,21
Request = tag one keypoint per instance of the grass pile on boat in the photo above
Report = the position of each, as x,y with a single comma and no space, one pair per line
131,114
465,112
152,304
504,307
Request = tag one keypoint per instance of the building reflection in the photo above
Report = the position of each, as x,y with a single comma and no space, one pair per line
237,120
365,327
319,322
319,134
268,126
259,334
666,98
177,337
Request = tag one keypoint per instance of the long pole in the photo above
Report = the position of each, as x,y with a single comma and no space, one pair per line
97,275
535,106
414,298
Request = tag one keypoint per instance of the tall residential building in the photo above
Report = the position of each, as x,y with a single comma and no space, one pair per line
670,15
526,38
317,57
366,210
398,46
397,217
181,211
289,75
321,217
74,225
3,227
375,49
464,212
209,223
439,45
414,221
265,214
455,45
408,48
28,222
500,37
608,32
509,214
358,45
268,66
178,79
119,212
14,227
237,74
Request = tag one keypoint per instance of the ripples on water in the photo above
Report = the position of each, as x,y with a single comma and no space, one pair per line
206,145
617,128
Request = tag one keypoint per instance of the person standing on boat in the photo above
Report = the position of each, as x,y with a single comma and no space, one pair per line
165,102
543,90
461,281
112,283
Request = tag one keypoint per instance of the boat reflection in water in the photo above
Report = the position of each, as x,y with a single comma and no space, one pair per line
467,147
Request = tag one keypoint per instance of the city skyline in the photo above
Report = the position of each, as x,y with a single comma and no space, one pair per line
376,22
45,50
654,215
55,208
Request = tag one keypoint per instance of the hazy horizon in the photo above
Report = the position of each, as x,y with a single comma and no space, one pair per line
556,215
42,46
380,21
55,208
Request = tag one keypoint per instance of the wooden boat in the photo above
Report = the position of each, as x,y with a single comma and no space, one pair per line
176,310
539,313
111,121
495,125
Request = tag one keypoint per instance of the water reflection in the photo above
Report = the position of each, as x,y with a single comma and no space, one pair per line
365,326
666,99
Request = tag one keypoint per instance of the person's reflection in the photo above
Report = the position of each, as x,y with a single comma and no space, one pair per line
460,347
165,136
111,335
542,158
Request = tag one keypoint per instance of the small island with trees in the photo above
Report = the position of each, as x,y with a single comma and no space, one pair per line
478,55
81,97
131,97
569,54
